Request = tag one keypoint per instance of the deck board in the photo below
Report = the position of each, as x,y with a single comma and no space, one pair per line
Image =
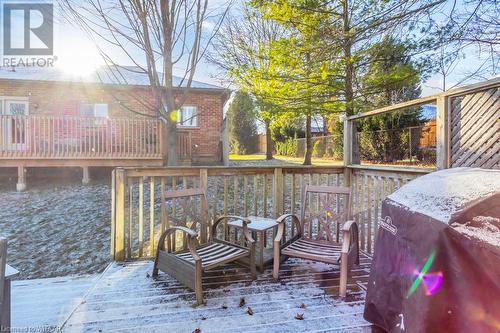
47,303
125,298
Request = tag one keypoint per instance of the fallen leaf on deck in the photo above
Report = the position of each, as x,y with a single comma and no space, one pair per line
250,311
242,301
299,316
302,306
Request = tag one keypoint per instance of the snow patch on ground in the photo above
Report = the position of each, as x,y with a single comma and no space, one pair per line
444,193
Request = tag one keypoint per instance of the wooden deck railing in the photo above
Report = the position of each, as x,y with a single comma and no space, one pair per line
370,186
78,137
263,191
184,145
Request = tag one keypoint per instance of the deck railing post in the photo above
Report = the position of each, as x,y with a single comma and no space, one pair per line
204,186
118,227
347,145
347,141
442,132
113,212
278,192
163,138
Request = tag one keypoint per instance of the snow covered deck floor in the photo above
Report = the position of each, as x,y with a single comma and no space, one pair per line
126,299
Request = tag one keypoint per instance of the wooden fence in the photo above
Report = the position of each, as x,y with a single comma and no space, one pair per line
263,191
475,129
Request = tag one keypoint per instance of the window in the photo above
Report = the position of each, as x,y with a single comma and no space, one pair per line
188,116
13,105
94,110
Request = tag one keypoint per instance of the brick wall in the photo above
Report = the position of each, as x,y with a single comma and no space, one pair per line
64,98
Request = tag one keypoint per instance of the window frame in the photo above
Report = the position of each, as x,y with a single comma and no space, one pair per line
195,118
94,109
5,99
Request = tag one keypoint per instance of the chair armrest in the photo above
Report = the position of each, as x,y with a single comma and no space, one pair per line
281,225
350,228
191,234
244,221
349,253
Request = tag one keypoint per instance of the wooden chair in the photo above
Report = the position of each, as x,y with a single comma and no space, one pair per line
320,241
196,256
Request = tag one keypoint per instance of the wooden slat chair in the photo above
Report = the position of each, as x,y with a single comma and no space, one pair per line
317,234
194,257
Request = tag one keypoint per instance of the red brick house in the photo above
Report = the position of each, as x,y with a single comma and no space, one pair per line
50,118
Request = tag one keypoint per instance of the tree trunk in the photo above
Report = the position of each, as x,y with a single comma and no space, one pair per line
349,68
269,141
171,143
348,82
308,154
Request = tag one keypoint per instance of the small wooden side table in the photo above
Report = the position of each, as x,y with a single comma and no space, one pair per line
10,273
259,227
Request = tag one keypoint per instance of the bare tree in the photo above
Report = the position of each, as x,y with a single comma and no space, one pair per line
471,28
156,36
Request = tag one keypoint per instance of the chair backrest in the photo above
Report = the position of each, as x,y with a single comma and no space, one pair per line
324,210
3,263
186,208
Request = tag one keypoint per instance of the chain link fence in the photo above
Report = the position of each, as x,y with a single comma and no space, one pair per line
410,146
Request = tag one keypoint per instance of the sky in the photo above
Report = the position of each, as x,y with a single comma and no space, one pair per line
76,52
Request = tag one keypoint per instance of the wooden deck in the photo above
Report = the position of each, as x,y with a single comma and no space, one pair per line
126,299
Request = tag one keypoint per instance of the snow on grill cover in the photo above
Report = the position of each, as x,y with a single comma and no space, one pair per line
436,265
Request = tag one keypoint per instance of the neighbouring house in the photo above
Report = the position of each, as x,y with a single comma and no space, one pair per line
51,118
318,126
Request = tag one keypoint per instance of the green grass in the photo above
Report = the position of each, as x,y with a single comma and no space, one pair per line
284,159
253,157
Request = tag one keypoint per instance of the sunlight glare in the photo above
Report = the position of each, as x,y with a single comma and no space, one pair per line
79,59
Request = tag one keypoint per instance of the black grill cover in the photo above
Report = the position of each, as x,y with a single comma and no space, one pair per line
453,235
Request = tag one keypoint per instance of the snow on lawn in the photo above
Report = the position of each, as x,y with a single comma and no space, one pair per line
57,229
444,193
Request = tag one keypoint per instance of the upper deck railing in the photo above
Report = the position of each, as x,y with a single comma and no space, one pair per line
68,137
